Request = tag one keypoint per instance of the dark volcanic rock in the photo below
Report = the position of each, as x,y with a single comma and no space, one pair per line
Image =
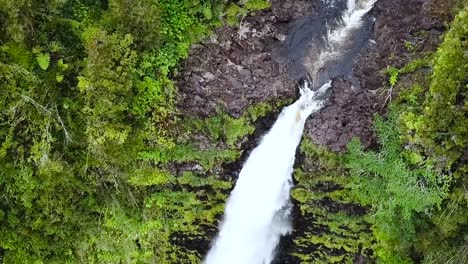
236,68
240,66
399,25
348,114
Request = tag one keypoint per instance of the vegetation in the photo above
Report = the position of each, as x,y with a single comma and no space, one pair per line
235,12
88,132
405,201
97,165
402,196
336,230
416,182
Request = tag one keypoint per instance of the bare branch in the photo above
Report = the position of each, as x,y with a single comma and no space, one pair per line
47,111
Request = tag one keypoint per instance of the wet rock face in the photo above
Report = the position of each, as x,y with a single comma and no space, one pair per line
402,29
239,67
236,68
348,114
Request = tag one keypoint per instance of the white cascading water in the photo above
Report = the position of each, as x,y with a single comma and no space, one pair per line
337,39
258,209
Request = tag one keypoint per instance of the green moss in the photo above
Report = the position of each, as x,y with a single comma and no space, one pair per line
185,153
392,73
410,47
222,127
234,14
254,112
414,180
254,5
191,179
416,64
332,236
89,132
149,177
326,158
411,67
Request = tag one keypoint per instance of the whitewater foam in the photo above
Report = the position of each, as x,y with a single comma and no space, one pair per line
336,39
258,210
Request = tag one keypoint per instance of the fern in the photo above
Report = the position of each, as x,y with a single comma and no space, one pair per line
59,78
43,59
393,73
396,190
255,5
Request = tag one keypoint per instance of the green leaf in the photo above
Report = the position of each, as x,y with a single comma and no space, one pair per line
59,78
43,59
61,65
207,13
36,50
393,74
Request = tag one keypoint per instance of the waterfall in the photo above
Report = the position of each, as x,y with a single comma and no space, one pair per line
336,39
258,210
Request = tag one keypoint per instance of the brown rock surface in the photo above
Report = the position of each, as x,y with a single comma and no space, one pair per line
237,67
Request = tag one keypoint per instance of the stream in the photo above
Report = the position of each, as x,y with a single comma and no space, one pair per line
258,211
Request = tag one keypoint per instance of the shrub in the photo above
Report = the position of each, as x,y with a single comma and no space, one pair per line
398,192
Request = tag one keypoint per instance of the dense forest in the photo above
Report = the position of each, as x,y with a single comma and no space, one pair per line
93,146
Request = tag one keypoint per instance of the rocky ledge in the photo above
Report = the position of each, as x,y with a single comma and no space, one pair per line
239,67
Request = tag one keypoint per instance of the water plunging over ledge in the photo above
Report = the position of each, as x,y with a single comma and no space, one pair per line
258,210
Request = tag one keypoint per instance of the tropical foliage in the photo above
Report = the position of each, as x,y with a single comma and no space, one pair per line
416,182
406,200
87,132
98,166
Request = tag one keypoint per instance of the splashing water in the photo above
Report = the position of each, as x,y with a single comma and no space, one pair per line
337,39
258,209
